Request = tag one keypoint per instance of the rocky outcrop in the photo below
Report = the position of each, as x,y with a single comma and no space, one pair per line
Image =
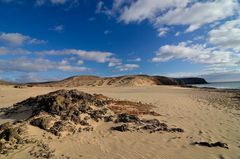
133,123
216,144
67,112
195,80
70,111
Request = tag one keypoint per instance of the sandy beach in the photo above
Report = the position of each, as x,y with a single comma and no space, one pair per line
120,79
204,115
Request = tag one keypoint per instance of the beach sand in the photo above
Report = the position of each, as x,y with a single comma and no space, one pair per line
204,115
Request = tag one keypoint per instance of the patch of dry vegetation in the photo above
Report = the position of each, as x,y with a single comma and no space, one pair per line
129,107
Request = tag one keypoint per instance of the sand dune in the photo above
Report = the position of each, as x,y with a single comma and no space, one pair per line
204,115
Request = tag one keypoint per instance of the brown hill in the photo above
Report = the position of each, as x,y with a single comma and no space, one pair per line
5,82
128,80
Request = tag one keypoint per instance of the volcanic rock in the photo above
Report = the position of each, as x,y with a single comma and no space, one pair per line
121,128
126,118
216,144
73,111
42,122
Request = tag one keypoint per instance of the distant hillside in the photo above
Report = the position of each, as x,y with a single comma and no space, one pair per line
128,80
5,82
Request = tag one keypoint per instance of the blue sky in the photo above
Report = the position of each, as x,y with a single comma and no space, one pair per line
44,40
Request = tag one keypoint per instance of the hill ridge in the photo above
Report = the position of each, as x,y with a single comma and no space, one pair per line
119,81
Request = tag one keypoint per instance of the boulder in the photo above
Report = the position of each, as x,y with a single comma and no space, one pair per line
216,144
126,118
42,122
121,128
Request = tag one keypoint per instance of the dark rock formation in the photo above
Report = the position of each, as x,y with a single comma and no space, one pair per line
42,122
73,111
121,128
133,123
60,110
207,144
126,118
193,80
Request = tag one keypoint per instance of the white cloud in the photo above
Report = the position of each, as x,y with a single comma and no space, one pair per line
40,2
177,33
114,62
3,50
106,32
138,59
227,36
13,38
37,65
97,56
162,31
72,68
26,65
17,39
195,53
29,77
6,50
80,62
190,13
58,28
199,14
201,37
58,1
141,9
80,55
99,7
69,3
63,62
32,77
127,67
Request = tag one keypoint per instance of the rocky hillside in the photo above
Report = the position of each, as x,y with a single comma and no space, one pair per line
191,80
128,80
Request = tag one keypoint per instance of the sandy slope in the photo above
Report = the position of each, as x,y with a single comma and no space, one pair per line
205,116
